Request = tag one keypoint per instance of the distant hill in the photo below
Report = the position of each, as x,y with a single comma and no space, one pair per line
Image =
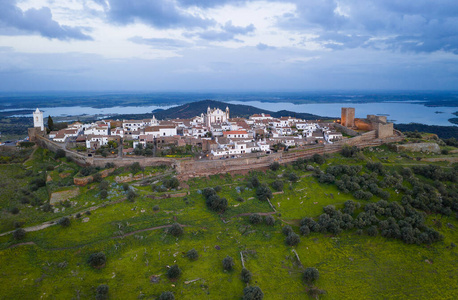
193,109
444,132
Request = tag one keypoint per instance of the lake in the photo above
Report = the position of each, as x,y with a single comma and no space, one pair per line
397,112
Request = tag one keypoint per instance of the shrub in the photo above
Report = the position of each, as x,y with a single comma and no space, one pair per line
19,234
102,292
292,239
131,195
305,230
156,207
104,185
171,183
103,194
255,219
270,220
109,165
240,199
87,213
97,259
207,192
174,272
362,195
349,207
218,188
310,275
78,215
228,263
348,151
318,159
277,185
263,193
246,275
286,230
372,231
166,296
135,168
59,154
175,230
252,293
97,177
192,254
292,177
14,210
125,186
47,207
64,221
275,166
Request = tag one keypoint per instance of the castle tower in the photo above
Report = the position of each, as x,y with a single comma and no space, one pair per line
348,117
38,119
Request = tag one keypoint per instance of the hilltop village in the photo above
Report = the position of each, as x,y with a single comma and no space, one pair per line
211,135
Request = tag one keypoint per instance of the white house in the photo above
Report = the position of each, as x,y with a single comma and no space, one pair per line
235,134
158,131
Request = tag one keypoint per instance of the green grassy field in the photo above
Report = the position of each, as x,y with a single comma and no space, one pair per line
52,263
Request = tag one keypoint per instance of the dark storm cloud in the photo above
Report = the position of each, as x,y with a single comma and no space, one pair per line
15,21
163,43
407,25
227,32
157,13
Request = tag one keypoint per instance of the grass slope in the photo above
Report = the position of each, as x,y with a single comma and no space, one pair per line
52,265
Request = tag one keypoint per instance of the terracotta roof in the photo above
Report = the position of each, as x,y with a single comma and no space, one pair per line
235,132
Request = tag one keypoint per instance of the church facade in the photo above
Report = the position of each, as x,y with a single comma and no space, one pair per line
216,116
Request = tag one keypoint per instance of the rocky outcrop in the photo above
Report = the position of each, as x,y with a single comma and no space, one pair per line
82,181
57,197
419,147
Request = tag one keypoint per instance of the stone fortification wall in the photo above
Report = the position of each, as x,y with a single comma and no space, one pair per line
346,130
419,147
362,124
384,130
143,161
53,146
189,167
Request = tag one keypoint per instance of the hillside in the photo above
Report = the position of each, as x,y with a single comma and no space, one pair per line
190,110
395,239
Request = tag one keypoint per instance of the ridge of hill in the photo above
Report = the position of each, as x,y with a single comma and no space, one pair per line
193,109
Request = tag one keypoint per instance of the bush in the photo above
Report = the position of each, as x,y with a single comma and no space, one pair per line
277,185
156,207
125,186
252,293
103,194
348,151
131,195
78,215
217,188
305,230
64,221
171,183
255,219
175,230
174,272
215,203
19,234
97,177
270,220
97,260
263,193
102,292
310,275
372,231
104,185
135,168
292,177
292,239
246,275
14,210
275,166
192,254
228,263
59,154
286,230
166,296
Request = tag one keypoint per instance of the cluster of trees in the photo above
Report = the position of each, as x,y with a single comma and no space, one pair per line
437,173
292,239
213,201
303,163
349,151
257,219
389,218
175,230
145,151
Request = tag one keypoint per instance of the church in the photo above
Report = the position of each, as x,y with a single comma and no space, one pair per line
216,116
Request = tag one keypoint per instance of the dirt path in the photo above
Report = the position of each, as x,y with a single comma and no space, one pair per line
54,222
146,229
21,244
249,214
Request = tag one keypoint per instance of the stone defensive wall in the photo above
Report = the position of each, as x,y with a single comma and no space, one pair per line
191,167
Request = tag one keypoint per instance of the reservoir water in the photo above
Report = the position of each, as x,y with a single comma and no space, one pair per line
397,112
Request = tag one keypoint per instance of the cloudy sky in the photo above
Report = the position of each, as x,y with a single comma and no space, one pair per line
180,45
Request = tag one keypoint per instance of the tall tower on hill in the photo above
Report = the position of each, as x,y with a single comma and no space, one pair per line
38,119
348,117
